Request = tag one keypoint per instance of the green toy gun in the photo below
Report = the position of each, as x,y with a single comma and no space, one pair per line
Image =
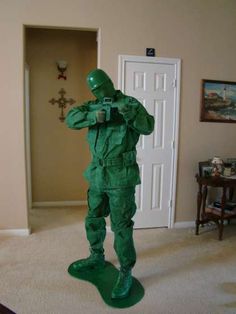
107,111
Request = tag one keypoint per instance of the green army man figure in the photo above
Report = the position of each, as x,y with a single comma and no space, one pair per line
115,122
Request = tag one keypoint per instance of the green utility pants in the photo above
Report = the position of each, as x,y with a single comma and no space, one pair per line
120,204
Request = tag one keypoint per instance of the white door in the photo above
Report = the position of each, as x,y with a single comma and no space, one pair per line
153,82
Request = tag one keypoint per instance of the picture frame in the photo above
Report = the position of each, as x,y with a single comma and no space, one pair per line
218,101
205,168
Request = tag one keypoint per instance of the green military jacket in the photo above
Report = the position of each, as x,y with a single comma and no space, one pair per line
113,142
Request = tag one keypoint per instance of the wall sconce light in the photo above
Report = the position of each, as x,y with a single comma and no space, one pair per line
62,67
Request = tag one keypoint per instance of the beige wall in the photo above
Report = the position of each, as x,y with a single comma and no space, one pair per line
201,33
58,155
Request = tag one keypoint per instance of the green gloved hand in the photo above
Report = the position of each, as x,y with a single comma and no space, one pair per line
128,111
100,116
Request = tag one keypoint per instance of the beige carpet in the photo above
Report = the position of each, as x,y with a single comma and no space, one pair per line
182,273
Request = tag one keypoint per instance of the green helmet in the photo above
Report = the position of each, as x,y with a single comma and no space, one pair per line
96,78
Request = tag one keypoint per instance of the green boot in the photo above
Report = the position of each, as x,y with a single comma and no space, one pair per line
123,285
95,260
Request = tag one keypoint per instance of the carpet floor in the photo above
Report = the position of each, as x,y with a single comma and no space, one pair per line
181,273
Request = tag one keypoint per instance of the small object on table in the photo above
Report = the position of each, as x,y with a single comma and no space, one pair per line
227,169
217,164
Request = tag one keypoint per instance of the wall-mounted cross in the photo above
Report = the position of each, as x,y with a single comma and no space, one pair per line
62,103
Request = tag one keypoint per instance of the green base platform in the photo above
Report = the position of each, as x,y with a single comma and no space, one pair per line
104,279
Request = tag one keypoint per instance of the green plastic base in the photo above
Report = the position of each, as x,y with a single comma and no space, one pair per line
104,279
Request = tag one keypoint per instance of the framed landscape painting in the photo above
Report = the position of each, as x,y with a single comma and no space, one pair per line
218,101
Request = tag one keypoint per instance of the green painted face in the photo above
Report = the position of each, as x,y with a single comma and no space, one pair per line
100,84
105,90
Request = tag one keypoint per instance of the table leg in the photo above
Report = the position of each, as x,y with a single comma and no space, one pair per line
199,203
204,197
221,224
221,228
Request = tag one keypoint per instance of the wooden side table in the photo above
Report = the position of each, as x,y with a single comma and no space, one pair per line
206,214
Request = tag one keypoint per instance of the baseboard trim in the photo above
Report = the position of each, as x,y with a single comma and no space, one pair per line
15,232
184,224
58,204
181,224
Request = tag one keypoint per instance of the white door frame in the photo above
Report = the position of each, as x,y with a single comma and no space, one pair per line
121,85
27,133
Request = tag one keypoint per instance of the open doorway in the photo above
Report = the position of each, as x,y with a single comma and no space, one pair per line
56,156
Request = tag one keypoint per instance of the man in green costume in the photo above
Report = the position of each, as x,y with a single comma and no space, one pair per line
115,122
